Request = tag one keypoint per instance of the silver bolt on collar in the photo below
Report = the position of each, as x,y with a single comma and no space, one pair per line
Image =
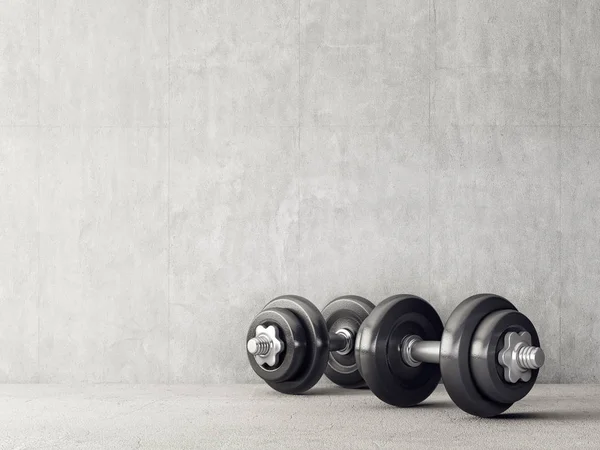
531,357
259,345
265,345
519,357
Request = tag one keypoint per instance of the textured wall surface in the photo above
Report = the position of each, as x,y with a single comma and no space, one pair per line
167,167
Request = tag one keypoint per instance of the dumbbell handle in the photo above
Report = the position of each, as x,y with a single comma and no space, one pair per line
416,351
341,341
337,342
426,351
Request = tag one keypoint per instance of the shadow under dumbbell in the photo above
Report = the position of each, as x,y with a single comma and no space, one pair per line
433,404
334,390
322,391
550,415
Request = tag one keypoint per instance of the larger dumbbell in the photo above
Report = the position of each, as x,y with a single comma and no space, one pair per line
290,344
488,355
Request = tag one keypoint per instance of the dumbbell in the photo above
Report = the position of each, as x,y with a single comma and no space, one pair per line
290,344
488,355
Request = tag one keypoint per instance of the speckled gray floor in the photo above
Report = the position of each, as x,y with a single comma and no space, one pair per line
253,416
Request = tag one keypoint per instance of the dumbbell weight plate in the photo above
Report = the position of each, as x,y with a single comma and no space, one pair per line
347,312
488,341
317,344
292,333
455,354
378,350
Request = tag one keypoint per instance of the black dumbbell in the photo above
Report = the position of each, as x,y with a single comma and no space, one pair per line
290,344
488,355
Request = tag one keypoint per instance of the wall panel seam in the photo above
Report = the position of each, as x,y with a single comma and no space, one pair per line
560,176
39,197
168,193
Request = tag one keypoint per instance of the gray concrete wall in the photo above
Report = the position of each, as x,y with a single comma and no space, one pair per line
168,167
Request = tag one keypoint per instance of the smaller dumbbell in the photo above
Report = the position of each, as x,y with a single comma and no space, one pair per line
291,344
488,355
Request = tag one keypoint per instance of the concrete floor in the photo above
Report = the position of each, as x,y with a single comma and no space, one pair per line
253,416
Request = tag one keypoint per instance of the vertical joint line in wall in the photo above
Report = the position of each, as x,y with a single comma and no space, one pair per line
560,284
299,23
560,244
39,76
560,64
39,192
299,115
431,50
431,47
169,192
299,131
39,246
